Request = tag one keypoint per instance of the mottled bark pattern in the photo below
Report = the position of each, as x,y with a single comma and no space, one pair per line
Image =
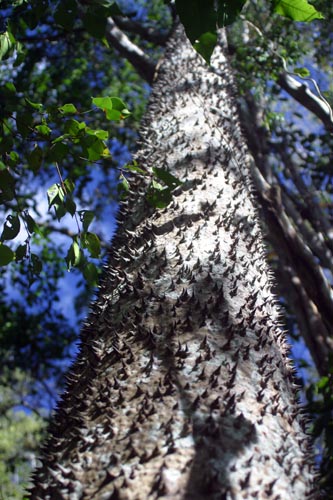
182,389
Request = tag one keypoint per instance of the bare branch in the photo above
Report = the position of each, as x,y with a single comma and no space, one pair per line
301,257
298,268
314,239
149,34
307,315
143,65
315,213
302,93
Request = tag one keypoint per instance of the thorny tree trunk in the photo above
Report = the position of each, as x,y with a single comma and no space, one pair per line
183,389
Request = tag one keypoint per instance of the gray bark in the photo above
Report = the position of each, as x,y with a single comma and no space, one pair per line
183,389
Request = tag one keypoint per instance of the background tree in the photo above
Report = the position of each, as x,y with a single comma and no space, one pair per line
267,38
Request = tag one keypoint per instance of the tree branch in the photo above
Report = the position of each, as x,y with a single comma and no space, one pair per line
301,256
307,315
302,94
314,213
297,249
315,240
143,65
149,34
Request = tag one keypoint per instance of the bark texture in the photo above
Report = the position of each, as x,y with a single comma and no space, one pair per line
183,389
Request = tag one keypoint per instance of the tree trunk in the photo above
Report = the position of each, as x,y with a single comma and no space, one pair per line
182,389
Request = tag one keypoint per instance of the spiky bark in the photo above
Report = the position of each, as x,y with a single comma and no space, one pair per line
183,389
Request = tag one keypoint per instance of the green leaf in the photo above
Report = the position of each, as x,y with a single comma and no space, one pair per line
61,193
10,87
92,243
170,180
6,144
205,45
68,109
74,255
7,186
302,72
114,108
56,197
58,151
6,255
95,17
24,123
197,17
70,205
21,252
117,114
86,217
93,147
101,134
90,272
110,5
114,115
13,158
9,98
60,210
66,14
31,224
323,383
73,127
36,264
118,104
133,167
35,159
94,22
103,103
201,19
200,16
69,185
123,186
7,45
43,130
297,10
11,228
106,153
52,194
159,196
61,138
34,105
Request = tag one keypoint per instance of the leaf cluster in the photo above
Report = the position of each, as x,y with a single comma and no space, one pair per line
202,18
58,135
